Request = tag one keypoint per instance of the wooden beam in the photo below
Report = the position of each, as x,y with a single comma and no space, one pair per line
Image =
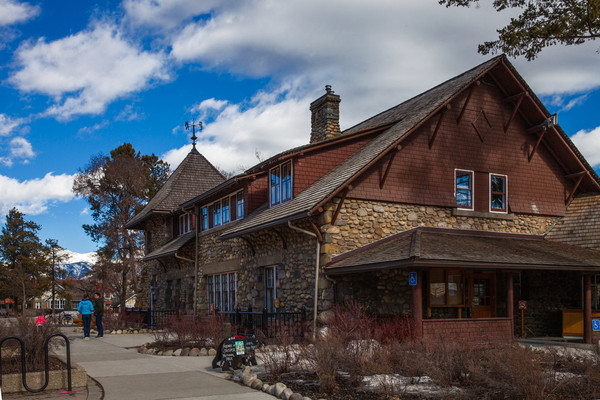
514,113
575,174
438,125
537,144
570,198
515,96
339,206
387,169
317,231
462,112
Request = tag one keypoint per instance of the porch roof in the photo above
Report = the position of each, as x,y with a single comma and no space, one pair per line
432,247
170,247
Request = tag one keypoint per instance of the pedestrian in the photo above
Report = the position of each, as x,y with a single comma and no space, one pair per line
99,312
86,308
40,321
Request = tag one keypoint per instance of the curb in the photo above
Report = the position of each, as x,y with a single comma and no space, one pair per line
95,389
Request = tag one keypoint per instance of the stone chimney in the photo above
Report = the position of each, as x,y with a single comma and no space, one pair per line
325,116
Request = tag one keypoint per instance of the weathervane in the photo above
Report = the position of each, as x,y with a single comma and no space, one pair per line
193,125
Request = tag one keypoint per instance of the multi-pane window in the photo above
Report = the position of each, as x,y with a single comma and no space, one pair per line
225,210
59,304
445,288
217,213
204,214
185,223
38,305
270,288
464,189
239,205
280,183
222,291
498,193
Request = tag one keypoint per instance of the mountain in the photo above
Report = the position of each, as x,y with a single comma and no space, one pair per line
78,265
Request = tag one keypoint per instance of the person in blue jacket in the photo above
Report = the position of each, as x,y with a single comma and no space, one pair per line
86,308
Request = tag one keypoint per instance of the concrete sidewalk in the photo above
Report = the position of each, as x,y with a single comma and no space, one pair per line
125,374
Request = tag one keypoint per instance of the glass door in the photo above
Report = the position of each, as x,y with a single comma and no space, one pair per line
482,289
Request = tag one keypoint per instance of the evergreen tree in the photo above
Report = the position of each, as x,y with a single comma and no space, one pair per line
24,265
541,23
116,187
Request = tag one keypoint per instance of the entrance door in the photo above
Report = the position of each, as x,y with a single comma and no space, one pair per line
482,292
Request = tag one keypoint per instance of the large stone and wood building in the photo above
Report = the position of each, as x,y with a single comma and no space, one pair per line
450,207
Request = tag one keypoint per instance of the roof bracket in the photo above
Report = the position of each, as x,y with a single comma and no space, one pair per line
387,169
537,144
462,112
519,98
340,204
439,124
245,239
570,198
317,231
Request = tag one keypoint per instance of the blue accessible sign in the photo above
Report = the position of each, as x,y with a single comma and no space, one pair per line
412,278
596,325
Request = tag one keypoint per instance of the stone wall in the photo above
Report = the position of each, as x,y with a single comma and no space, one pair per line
361,222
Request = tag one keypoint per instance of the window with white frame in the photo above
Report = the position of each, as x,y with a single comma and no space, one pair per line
239,197
280,183
185,223
222,291
59,304
225,213
498,193
463,189
270,288
217,213
38,305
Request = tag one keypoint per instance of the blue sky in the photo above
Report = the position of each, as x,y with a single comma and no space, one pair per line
78,78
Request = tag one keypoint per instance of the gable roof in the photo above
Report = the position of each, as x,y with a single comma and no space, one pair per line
171,247
405,118
581,224
194,175
436,247
399,122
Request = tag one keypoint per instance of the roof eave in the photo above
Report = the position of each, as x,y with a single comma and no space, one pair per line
266,225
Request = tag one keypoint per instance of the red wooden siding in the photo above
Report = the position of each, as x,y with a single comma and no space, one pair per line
420,175
310,167
257,193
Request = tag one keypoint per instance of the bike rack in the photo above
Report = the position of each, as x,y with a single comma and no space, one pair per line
46,368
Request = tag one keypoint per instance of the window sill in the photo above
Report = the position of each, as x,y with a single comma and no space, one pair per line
478,214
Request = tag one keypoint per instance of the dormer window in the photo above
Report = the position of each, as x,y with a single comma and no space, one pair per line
239,197
222,211
204,216
186,223
280,183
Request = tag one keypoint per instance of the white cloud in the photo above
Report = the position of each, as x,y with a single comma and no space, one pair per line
86,71
164,14
588,142
8,124
34,196
21,148
270,123
88,130
13,12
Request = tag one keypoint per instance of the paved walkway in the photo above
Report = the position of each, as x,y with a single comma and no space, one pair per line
125,374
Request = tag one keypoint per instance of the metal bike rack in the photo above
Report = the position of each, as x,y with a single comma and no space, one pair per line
46,368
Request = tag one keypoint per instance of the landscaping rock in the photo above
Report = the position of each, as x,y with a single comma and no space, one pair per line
119,331
286,394
247,379
266,388
256,384
195,352
135,332
160,353
177,352
296,396
185,352
278,388
237,376
306,398
212,352
203,352
168,353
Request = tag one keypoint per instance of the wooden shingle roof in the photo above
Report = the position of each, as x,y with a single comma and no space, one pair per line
194,175
581,224
407,117
438,247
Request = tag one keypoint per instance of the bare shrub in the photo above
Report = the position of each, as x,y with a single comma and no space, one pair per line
115,321
322,358
507,372
280,355
398,328
447,363
33,336
186,332
214,329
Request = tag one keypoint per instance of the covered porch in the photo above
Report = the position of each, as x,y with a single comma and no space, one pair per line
465,286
